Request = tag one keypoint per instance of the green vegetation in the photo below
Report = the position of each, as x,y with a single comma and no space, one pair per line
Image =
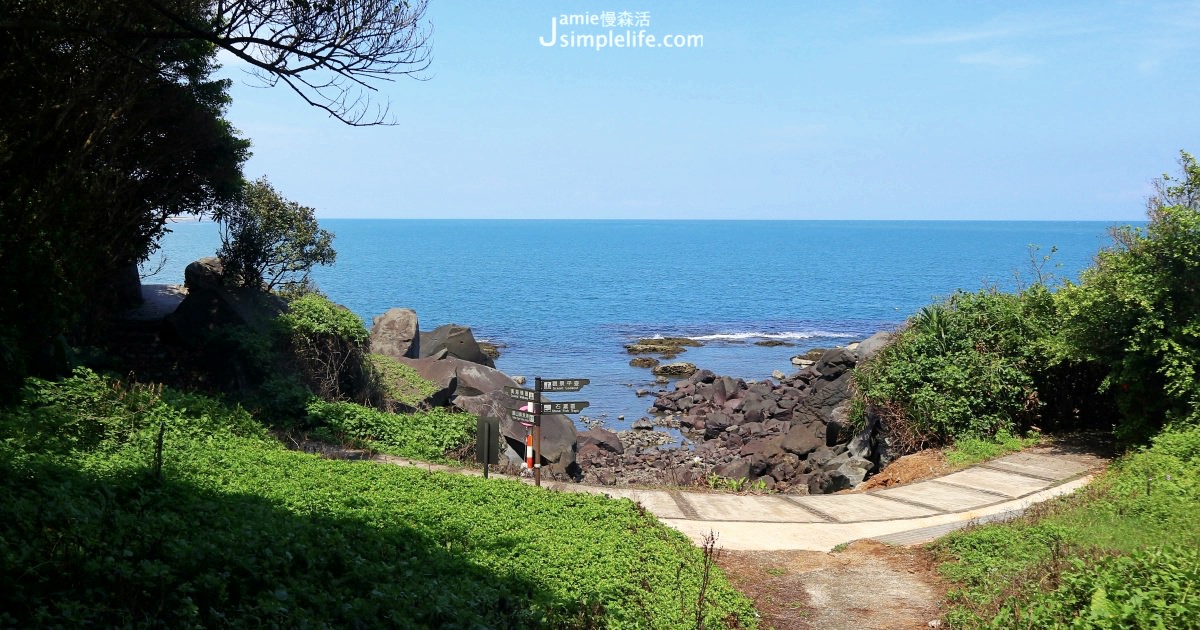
427,435
138,506
117,123
969,367
972,450
269,241
1137,311
1120,554
399,386
107,132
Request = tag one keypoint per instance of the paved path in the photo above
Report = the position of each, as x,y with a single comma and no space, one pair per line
908,514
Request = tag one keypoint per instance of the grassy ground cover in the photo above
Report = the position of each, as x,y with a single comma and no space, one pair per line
1121,553
139,507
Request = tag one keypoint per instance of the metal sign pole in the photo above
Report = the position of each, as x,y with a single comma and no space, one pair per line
537,431
487,440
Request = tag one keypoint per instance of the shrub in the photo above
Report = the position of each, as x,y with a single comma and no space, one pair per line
1137,311
427,435
968,366
398,387
327,340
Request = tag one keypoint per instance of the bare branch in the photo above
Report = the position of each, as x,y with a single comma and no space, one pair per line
327,51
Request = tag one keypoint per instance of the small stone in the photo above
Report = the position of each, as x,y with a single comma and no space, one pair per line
778,375
519,380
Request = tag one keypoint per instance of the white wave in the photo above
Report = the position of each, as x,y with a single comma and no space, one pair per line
742,336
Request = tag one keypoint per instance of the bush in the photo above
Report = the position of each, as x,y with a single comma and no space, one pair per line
327,341
969,366
1137,311
427,435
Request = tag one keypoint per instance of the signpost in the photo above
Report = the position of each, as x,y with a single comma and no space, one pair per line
530,415
523,417
564,407
517,393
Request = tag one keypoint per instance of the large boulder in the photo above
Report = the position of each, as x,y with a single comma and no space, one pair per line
396,334
479,389
457,341
804,438
211,304
868,348
603,439
204,273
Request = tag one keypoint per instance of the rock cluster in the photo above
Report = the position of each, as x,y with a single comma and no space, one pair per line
793,436
450,357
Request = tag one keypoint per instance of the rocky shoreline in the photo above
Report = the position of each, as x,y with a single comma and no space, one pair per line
792,433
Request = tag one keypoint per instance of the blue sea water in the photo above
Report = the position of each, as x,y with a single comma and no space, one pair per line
563,297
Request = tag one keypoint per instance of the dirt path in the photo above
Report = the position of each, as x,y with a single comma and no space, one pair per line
868,585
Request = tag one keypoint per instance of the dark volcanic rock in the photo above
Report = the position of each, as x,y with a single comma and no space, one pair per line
457,341
715,424
804,438
603,439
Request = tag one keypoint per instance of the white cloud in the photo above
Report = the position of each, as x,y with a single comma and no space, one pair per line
998,59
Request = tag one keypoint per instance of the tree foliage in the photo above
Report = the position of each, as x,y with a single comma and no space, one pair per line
106,134
1137,310
269,241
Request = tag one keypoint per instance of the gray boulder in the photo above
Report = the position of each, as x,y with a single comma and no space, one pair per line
457,341
804,438
603,439
210,305
396,334
868,348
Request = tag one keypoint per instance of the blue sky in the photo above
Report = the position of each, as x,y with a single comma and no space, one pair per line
789,110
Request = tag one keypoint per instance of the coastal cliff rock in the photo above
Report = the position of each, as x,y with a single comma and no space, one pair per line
396,334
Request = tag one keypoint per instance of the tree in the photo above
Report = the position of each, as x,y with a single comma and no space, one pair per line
329,52
268,241
1137,310
104,136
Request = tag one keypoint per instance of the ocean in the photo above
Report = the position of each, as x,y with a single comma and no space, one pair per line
563,297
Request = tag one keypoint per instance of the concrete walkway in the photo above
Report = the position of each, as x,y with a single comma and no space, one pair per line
904,515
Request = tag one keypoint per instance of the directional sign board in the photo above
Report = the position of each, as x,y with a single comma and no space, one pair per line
517,393
522,416
564,407
563,384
